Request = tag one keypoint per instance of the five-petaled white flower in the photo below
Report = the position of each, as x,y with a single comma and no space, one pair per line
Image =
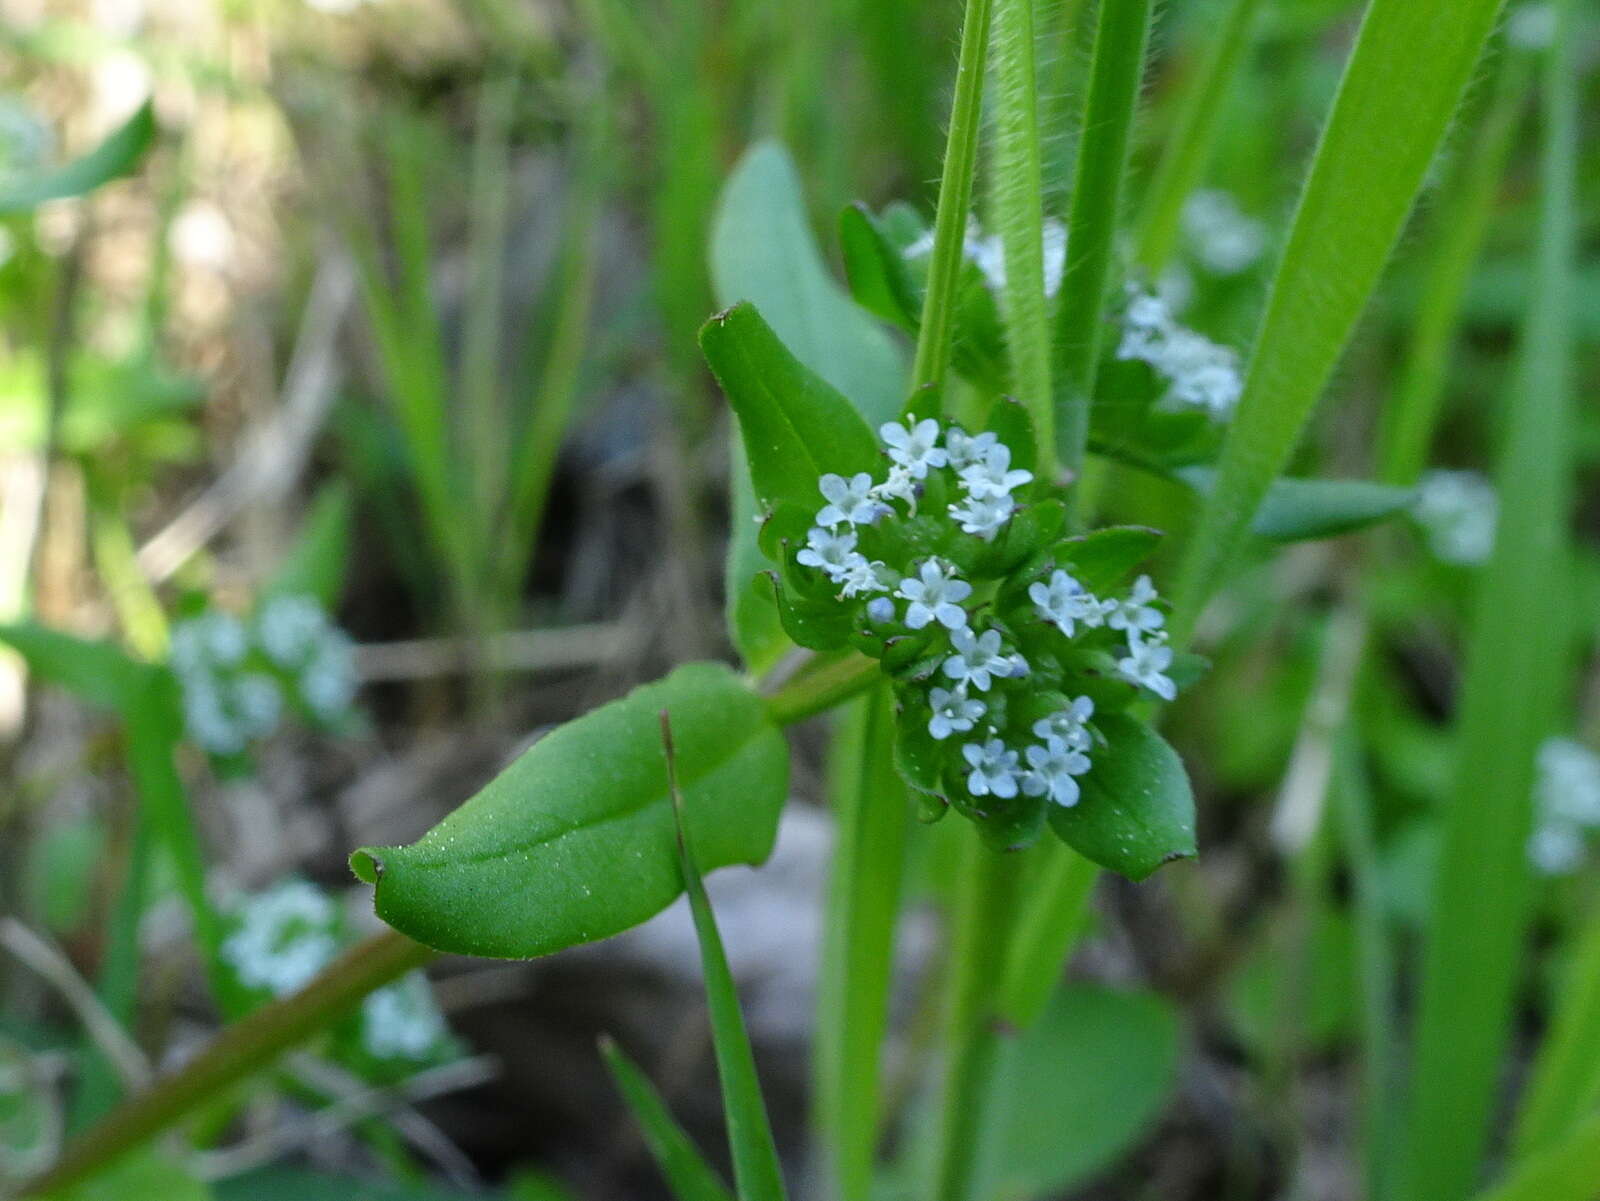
1070,725
978,658
849,500
984,515
914,445
965,449
935,593
1145,664
1064,602
992,474
953,712
901,484
1051,771
1136,613
861,575
828,550
994,769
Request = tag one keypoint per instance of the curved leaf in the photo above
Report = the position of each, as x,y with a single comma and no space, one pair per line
112,158
1298,510
574,841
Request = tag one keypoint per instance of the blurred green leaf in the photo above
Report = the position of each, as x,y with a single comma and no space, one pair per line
573,842
680,1161
1311,983
59,876
97,673
298,1184
876,269
1136,811
116,156
144,1175
316,562
1297,510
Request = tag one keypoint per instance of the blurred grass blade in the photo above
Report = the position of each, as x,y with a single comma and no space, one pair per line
1565,1084
1117,69
1513,679
1188,147
116,156
1457,233
689,1175
1412,61
1049,924
872,820
756,1171
1568,1171
316,562
950,217
1018,197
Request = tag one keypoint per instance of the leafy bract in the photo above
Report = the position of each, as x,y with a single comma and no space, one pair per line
574,841
1137,811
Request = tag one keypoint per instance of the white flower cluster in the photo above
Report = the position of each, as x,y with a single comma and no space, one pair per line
402,1021
987,253
284,937
1200,373
1531,26
1223,238
235,678
970,659
1458,510
1566,802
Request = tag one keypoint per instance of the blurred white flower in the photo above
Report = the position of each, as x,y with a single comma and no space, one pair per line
402,1020
1223,238
1531,26
1458,510
286,935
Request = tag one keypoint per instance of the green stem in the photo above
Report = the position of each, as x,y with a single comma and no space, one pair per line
1018,194
1048,925
239,1051
977,959
821,684
950,221
1115,74
1188,148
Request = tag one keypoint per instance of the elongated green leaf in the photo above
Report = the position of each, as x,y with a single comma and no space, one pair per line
873,819
145,1176
316,562
756,1171
1136,812
876,270
573,842
680,1161
1296,510
1514,674
112,158
1054,911
97,673
794,425
1412,61
1568,1171
298,1184
1566,1075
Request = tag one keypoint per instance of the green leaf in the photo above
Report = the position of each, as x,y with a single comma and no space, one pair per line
116,156
876,269
819,627
1053,913
1298,510
794,425
1567,1171
142,1176
756,1171
1102,559
1388,120
298,1184
97,673
573,842
1075,1093
689,1175
1565,1082
1136,812
315,564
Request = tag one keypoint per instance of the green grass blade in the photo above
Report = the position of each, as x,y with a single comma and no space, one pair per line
1018,198
873,819
1188,147
1049,923
689,1175
1458,226
1412,61
1513,679
1566,1073
756,1171
1120,40
116,156
1566,1172
932,358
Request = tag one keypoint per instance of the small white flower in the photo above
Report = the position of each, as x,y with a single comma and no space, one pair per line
1531,26
1070,725
289,629
1459,511
207,717
286,935
978,658
402,1021
1567,783
328,683
1224,238
914,445
901,484
213,639
1065,603
1203,374
1136,613
1556,848
828,551
850,501
984,515
1146,664
992,475
861,575
1051,771
965,449
1055,255
953,712
880,609
935,593
258,703
994,769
